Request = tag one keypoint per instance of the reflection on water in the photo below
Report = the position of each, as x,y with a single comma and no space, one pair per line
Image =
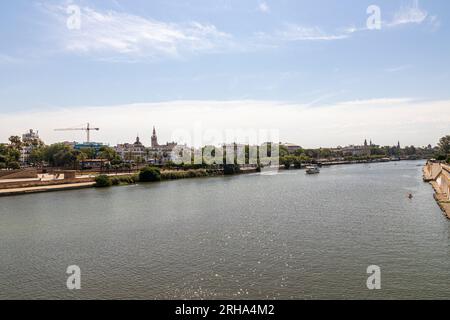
286,236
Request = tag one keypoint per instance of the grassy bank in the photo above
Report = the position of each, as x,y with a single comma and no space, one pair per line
175,175
156,175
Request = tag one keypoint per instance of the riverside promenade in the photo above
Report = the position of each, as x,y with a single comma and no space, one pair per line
438,174
70,180
46,183
48,188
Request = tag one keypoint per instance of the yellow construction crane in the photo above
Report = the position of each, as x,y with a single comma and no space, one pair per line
88,129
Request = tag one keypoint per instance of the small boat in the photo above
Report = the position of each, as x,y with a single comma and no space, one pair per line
312,170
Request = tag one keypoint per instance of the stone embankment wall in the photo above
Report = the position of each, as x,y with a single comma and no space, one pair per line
438,174
28,184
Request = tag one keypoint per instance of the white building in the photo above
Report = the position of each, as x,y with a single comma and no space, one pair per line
132,152
160,154
138,153
30,140
356,151
291,147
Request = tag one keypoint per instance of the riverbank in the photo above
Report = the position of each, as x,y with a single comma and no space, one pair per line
22,187
47,188
438,175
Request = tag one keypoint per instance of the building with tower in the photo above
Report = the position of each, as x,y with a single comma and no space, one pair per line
160,154
137,153
154,138
132,152
356,151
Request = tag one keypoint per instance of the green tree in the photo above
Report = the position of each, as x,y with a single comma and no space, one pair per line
444,145
103,181
10,154
3,152
410,151
299,152
287,162
284,151
13,165
107,153
16,142
324,153
36,156
150,174
61,155
91,153
298,161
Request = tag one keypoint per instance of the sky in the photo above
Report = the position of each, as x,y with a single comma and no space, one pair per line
322,73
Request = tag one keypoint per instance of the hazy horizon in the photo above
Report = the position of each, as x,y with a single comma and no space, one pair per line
321,73
385,122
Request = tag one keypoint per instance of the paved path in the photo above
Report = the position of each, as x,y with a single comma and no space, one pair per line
59,187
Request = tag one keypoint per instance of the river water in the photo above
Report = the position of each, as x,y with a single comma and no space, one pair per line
255,236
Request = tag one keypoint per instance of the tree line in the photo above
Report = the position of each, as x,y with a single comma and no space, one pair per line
63,155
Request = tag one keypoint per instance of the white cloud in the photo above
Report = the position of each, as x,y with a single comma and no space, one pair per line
398,68
116,35
378,102
410,14
264,7
294,32
413,14
385,121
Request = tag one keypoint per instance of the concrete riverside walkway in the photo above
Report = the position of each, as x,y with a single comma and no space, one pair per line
59,187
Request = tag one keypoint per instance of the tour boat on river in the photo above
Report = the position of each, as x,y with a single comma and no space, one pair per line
312,170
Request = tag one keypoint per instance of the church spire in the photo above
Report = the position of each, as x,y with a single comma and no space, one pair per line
154,139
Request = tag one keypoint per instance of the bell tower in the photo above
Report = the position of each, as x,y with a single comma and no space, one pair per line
154,139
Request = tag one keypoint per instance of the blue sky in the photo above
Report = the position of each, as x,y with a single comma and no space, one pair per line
314,54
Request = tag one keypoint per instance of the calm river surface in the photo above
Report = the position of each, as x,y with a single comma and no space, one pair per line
284,236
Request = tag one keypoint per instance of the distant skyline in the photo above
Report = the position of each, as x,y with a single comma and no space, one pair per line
311,69
383,121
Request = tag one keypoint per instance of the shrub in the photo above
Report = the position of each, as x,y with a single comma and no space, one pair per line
14,165
297,163
118,180
149,174
287,162
174,175
448,159
102,181
229,169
